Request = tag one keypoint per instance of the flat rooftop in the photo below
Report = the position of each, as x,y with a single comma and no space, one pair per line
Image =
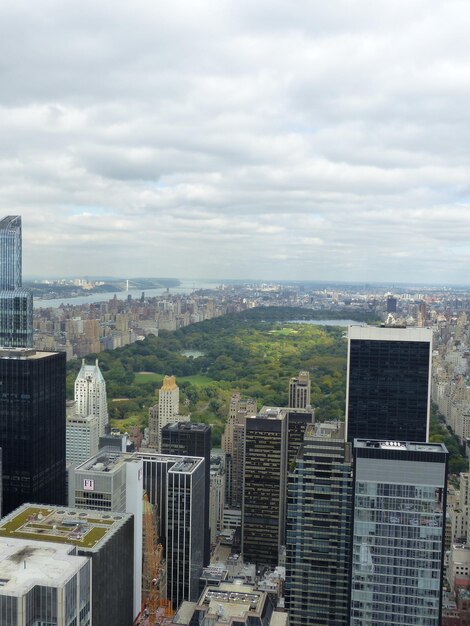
24,354
325,430
186,426
408,446
186,465
234,598
25,564
390,333
109,459
87,530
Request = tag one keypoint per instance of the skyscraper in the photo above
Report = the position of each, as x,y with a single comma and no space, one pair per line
318,533
16,303
90,394
166,411
32,427
398,533
299,391
389,382
185,518
268,453
190,439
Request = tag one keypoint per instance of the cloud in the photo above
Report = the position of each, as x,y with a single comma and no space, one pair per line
252,139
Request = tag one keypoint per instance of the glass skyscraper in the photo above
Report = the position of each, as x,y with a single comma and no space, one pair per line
389,381
16,303
398,533
318,535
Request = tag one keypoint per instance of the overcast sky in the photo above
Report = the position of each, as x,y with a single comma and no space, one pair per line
256,138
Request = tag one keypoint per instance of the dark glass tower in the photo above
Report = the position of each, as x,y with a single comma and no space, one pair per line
32,427
16,303
388,391
189,439
318,530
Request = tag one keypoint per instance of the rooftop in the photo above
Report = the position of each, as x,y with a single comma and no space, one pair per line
408,446
389,333
109,459
25,564
186,465
187,426
85,529
24,354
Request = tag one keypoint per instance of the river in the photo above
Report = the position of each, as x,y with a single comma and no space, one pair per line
184,287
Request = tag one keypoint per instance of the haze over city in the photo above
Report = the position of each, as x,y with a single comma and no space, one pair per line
268,139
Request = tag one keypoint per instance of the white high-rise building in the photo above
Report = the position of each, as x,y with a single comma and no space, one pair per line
90,394
82,435
166,411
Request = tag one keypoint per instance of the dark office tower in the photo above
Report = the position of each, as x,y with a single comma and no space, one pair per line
318,533
32,427
391,304
299,391
297,422
185,516
16,303
272,440
398,533
189,439
389,382
264,487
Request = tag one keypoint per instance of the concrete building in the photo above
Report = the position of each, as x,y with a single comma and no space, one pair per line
82,435
90,394
233,444
166,411
43,583
231,604
106,539
299,391
32,426
113,481
388,383
319,529
398,533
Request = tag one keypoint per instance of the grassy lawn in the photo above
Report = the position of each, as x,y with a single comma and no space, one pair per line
152,377
283,332
126,424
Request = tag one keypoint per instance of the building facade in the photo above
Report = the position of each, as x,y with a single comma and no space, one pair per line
165,411
388,383
113,481
90,394
318,534
16,303
82,435
32,427
43,583
191,439
299,391
104,538
398,533
185,518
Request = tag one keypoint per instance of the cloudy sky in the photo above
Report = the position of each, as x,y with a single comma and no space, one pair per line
258,138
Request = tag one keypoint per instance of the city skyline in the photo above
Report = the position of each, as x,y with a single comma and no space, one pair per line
321,143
